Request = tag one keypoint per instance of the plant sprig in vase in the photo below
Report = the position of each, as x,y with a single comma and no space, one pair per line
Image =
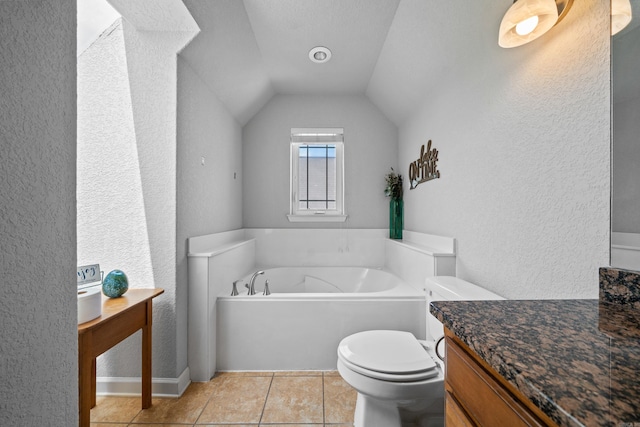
396,205
394,185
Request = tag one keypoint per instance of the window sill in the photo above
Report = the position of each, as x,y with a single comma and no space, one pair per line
317,218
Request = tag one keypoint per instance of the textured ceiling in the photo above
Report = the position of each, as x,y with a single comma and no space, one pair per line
428,43
247,51
158,16
353,30
392,51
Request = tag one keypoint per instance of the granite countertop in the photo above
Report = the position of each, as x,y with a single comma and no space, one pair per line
577,360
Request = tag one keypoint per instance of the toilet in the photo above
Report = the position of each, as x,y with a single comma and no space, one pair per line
400,379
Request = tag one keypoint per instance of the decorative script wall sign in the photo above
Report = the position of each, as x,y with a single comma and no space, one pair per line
425,168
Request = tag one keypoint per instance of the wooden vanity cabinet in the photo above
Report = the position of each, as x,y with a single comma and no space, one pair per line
476,395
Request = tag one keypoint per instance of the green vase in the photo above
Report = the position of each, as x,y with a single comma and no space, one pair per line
396,218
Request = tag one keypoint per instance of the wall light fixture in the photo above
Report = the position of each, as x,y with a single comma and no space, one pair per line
526,20
620,15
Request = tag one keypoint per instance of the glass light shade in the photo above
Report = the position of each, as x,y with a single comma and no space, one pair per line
521,10
320,56
620,15
527,26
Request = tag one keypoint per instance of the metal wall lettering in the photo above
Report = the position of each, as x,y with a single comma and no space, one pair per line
425,168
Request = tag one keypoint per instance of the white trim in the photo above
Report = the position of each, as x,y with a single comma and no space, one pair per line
625,250
204,243
628,248
132,386
318,131
221,249
422,249
317,218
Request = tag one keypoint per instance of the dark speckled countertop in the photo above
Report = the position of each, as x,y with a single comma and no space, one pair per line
577,360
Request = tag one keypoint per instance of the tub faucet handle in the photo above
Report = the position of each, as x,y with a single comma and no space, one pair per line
266,288
234,290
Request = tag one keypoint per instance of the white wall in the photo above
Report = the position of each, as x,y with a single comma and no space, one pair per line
38,345
209,195
370,150
626,128
127,179
523,140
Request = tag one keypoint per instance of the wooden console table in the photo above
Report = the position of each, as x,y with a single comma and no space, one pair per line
120,318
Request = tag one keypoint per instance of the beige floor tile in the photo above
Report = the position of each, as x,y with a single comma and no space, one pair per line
244,374
184,409
331,373
107,425
237,399
339,400
297,373
115,409
294,400
155,425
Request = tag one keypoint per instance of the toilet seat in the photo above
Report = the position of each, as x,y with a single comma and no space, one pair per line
387,355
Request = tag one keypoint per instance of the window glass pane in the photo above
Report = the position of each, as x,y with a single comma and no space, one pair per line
302,178
317,177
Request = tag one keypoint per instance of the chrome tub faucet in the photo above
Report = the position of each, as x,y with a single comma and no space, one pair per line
252,282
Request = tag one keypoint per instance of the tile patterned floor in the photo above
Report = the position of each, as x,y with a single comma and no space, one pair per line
241,399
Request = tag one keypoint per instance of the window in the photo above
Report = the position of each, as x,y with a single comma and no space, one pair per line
317,171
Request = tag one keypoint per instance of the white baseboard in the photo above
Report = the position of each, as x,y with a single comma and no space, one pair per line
131,386
625,250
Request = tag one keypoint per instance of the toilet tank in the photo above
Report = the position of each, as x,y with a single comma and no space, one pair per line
449,288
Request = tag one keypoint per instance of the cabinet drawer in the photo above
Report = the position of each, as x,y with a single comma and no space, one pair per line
482,397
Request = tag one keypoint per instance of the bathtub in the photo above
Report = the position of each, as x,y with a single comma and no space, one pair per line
310,309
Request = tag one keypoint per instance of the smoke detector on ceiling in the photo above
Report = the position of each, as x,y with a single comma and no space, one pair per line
320,54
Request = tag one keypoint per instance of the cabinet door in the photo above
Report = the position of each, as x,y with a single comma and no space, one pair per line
481,396
454,414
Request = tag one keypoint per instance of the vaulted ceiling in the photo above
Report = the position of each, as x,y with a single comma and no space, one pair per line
389,50
393,51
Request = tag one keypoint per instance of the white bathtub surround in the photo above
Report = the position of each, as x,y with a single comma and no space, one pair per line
420,255
292,281
319,247
296,330
214,260
625,250
217,341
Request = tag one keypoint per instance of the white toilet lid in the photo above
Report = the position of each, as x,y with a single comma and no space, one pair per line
392,352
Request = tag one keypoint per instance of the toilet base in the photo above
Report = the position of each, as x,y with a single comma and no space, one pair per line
371,412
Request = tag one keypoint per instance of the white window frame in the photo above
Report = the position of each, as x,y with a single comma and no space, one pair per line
316,136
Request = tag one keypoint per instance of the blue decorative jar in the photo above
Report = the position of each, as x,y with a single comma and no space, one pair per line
115,284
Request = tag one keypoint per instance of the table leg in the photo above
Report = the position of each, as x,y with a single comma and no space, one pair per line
85,374
146,358
93,382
